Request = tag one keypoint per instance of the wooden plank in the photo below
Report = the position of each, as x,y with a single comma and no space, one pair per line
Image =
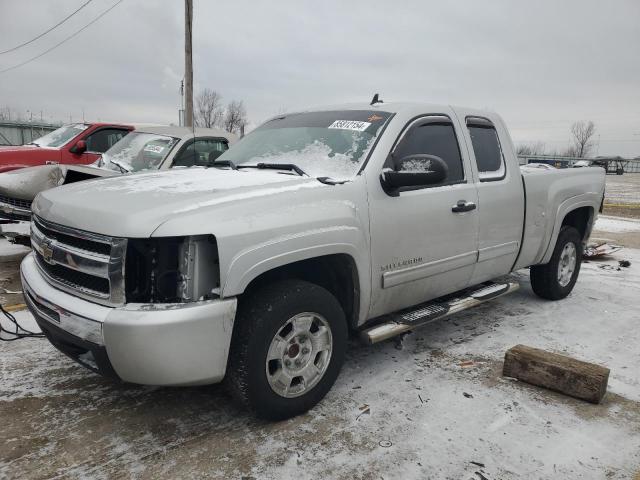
560,373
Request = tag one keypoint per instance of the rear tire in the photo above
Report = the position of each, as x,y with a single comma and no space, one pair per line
287,349
556,279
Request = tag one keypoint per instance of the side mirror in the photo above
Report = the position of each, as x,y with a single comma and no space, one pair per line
79,147
419,170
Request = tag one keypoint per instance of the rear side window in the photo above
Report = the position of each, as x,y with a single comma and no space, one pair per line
486,148
202,153
437,139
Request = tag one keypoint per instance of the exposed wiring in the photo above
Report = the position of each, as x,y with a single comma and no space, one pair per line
65,40
20,332
52,28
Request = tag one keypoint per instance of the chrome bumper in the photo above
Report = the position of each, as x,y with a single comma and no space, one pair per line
12,212
151,344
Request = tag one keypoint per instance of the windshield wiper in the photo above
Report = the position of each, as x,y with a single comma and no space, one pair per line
277,166
34,143
225,163
122,168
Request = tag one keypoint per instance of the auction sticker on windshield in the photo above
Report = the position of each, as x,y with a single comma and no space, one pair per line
154,148
350,125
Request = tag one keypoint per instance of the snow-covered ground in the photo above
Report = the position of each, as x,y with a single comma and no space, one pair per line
617,224
426,407
623,189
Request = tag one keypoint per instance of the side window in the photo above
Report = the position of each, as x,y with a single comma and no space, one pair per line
486,147
203,152
437,139
104,139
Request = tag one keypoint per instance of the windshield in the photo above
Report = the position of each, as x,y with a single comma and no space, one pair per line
62,135
332,144
138,151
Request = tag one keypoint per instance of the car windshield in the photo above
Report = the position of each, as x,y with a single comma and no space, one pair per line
61,136
332,144
138,151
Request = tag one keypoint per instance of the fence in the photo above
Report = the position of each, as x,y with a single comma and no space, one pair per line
19,133
617,165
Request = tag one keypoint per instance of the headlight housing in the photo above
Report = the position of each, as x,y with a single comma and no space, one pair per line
172,269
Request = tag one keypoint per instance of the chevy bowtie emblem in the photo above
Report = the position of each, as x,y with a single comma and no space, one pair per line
47,251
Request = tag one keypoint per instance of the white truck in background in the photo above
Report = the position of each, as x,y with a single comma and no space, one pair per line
362,218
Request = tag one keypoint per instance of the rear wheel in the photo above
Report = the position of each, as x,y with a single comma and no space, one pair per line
288,347
556,279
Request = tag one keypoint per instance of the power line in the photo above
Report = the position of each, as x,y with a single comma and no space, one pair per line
65,40
43,34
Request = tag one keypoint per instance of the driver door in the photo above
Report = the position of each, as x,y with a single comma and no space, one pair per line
422,245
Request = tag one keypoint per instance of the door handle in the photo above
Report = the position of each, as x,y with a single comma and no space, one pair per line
463,206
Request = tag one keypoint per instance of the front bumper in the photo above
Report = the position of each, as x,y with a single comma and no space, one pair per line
151,344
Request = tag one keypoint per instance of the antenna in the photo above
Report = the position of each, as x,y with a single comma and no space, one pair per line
376,99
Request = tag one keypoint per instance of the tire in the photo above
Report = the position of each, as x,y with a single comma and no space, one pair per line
546,280
284,309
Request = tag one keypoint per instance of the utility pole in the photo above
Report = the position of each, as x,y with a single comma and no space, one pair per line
188,64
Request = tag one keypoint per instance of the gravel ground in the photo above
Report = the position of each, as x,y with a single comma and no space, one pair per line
426,407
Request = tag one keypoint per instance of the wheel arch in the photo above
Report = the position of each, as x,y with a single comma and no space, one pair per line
336,272
575,212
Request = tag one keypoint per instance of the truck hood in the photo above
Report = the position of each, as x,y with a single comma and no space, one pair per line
136,205
18,156
26,183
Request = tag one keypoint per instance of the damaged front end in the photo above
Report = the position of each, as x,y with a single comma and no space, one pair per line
172,269
18,189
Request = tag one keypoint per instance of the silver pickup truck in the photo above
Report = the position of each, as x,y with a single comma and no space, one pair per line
370,219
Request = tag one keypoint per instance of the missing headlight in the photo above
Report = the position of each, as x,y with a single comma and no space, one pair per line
172,269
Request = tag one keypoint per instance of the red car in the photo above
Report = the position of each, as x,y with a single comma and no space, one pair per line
78,143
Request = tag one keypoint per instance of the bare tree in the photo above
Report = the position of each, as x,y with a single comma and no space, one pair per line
209,109
235,117
583,133
537,148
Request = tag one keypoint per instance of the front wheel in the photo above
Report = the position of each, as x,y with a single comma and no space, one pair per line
556,279
288,347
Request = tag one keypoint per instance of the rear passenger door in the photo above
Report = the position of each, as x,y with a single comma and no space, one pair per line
421,247
500,198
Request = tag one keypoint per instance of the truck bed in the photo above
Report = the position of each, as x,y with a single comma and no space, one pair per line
549,195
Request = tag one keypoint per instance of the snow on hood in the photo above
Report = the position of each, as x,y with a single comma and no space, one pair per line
26,183
135,205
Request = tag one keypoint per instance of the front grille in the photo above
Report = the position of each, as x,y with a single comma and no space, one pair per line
73,241
85,264
73,278
16,202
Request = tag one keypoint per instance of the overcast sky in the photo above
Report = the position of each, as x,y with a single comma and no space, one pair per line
540,64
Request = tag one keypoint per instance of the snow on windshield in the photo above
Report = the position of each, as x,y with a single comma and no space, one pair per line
318,158
323,144
138,151
61,136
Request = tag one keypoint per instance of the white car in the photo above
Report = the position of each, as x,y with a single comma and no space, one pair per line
147,148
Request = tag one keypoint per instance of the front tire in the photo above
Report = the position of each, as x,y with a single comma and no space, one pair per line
288,346
556,279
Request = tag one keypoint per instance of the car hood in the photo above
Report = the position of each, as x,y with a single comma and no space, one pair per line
136,205
17,148
26,183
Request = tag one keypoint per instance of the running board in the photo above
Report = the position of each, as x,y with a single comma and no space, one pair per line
408,319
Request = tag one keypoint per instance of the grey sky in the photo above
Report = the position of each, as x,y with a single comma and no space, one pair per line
541,64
